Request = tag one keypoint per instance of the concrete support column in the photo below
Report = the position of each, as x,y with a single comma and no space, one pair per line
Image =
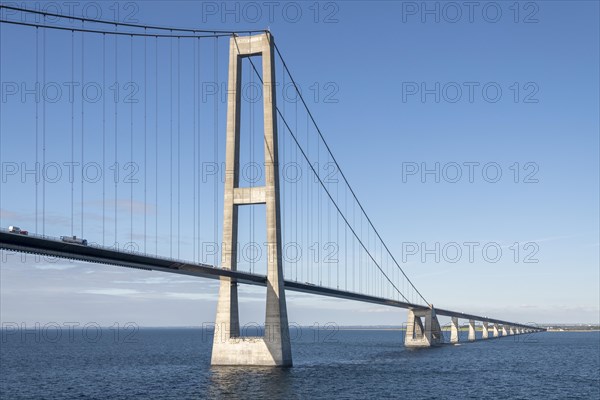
454,330
414,327
485,333
229,348
496,333
504,331
471,330
511,331
422,328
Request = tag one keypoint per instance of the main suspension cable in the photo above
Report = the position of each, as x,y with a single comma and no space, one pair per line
341,172
117,33
128,24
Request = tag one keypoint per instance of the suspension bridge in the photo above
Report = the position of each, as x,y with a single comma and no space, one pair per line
128,145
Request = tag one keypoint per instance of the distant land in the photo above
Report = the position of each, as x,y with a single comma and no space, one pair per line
555,327
572,327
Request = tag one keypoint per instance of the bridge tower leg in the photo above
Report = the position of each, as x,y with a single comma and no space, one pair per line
229,348
471,330
454,330
422,334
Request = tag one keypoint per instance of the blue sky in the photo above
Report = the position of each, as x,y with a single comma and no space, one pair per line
363,67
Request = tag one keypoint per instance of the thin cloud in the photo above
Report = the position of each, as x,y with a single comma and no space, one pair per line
56,267
155,280
190,296
112,292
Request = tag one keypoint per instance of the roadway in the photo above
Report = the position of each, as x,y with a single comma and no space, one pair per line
93,253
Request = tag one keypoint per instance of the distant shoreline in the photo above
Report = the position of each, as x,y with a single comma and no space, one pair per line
346,328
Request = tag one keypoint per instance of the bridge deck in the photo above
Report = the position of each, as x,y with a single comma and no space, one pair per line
103,255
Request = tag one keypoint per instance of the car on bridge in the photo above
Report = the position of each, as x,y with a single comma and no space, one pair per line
17,230
74,240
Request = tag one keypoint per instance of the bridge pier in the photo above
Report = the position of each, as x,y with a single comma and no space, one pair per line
511,331
421,333
229,348
454,330
485,333
471,330
504,331
495,330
